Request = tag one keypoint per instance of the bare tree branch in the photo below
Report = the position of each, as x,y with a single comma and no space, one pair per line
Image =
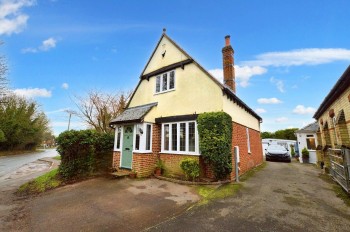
97,109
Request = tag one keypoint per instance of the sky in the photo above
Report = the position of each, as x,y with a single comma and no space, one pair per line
288,54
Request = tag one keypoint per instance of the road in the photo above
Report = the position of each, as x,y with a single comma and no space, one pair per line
11,163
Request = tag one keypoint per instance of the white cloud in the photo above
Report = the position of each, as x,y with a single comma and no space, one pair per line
272,100
65,86
281,119
32,92
307,56
46,45
242,74
57,111
12,20
300,109
279,84
260,110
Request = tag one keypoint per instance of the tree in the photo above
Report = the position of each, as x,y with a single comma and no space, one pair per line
288,134
22,123
97,109
3,79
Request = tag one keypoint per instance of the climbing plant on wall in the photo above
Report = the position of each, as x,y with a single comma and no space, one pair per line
215,141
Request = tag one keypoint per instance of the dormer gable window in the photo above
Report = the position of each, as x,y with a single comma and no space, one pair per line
165,82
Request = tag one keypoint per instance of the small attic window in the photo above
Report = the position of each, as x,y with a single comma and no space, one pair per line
165,82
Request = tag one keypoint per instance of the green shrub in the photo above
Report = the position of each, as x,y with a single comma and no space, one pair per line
292,150
305,153
215,142
190,168
83,152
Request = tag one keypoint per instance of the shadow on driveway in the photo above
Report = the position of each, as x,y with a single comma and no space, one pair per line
109,205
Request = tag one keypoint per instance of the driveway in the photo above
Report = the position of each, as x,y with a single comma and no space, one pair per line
281,197
109,205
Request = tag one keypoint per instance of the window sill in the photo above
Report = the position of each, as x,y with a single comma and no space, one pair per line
142,152
164,91
117,150
179,153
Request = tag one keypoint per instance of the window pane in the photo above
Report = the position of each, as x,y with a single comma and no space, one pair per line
148,137
248,139
158,84
311,145
165,82
118,137
166,137
172,80
191,136
137,142
182,136
174,137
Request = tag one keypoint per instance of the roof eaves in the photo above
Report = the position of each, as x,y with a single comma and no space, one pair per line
336,91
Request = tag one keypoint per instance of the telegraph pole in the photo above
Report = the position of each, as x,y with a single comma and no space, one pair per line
70,112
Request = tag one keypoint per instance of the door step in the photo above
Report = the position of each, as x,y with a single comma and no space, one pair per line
121,173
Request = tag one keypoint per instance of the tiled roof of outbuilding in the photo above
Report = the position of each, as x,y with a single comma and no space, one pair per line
311,128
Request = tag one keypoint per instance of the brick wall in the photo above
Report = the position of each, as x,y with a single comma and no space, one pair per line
143,163
247,160
172,163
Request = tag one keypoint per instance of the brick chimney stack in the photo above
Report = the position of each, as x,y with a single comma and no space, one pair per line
228,62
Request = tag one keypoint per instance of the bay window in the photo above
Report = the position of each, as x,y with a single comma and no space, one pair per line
180,138
143,138
118,138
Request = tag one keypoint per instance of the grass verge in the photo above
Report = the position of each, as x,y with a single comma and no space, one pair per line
252,172
41,184
338,190
57,157
209,193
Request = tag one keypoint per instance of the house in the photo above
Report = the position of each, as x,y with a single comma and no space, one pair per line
282,142
333,117
159,121
307,138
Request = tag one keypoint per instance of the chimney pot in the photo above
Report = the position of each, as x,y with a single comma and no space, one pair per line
227,40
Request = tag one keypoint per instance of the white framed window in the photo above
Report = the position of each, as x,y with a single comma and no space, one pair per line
165,82
180,138
310,142
248,139
118,138
143,138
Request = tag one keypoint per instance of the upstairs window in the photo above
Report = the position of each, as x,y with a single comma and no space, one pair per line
165,82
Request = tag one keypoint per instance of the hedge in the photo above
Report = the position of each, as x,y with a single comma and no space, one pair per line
84,152
215,142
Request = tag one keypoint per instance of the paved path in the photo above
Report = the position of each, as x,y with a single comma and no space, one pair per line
281,197
103,204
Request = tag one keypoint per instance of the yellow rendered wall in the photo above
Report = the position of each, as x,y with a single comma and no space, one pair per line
239,115
342,103
194,93
172,55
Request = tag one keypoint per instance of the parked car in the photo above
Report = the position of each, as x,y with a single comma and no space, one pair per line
277,153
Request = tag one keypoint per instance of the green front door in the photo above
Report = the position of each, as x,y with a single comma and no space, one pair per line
127,147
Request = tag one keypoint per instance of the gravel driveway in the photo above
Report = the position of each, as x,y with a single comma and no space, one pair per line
281,197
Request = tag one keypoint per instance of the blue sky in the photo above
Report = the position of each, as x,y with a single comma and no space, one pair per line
288,54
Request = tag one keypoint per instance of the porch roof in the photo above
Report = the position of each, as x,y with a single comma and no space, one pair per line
311,128
133,114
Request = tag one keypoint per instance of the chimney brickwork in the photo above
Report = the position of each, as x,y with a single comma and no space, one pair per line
228,64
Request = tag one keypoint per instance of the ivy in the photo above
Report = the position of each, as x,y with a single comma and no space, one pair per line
215,142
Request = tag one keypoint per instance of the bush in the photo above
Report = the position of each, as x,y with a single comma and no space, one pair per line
305,153
215,142
190,168
83,152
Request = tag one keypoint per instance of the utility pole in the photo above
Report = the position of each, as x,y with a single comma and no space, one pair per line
70,112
